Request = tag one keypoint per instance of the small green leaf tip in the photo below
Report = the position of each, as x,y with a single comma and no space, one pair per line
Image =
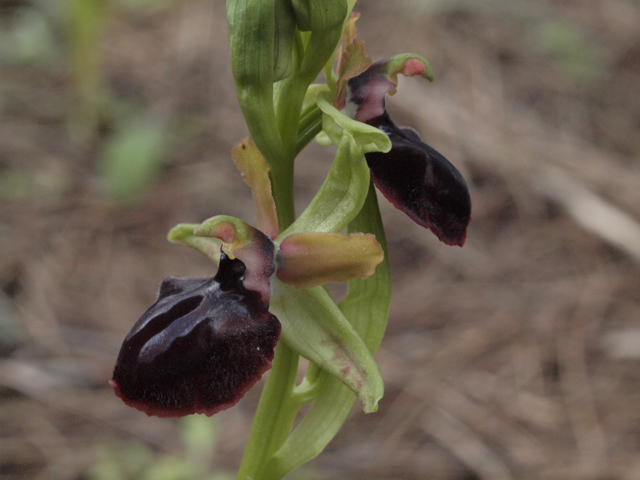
182,234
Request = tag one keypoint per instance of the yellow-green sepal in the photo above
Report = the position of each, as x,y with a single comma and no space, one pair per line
255,172
341,195
336,125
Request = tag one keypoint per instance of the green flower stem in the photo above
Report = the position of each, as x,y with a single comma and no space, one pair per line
277,409
288,113
274,416
281,175
280,130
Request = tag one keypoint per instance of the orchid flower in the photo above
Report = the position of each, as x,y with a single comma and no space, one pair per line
413,176
205,342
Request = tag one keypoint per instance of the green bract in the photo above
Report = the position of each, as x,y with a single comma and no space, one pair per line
251,31
314,327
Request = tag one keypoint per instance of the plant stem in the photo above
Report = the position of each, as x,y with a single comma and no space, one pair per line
274,416
277,409
281,175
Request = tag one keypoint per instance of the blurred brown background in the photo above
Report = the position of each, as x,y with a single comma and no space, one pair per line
516,357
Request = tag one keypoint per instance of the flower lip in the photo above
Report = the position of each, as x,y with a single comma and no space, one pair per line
413,176
199,348
421,182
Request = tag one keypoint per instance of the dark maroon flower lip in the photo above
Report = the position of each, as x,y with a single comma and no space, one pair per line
413,176
199,348
199,406
418,180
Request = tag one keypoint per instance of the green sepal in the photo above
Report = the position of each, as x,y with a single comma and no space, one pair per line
367,308
311,96
182,234
310,259
314,327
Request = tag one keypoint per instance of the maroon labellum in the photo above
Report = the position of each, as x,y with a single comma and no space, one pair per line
412,175
421,182
199,348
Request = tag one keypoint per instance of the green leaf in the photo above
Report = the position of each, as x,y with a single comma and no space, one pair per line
314,327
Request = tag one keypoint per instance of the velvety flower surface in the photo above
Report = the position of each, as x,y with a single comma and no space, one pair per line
413,176
205,342
421,182
199,347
